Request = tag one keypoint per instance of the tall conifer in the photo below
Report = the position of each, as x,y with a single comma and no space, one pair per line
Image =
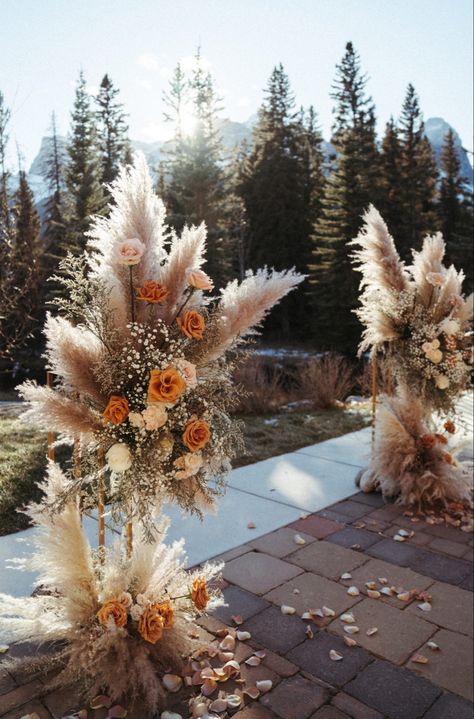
112,130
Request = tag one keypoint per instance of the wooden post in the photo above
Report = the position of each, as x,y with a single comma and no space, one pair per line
129,537
77,467
374,394
101,501
49,382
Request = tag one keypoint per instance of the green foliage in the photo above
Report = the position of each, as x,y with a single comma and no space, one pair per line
112,131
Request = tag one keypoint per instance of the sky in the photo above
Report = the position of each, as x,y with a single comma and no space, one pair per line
44,43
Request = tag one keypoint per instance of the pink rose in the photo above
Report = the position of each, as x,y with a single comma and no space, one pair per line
198,279
434,278
188,370
129,252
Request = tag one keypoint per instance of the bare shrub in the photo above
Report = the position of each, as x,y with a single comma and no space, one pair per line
326,380
261,385
385,379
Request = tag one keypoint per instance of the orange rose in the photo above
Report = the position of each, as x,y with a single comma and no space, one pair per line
192,324
441,439
115,609
165,610
196,435
428,441
151,624
199,593
116,410
165,385
450,426
448,457
152,292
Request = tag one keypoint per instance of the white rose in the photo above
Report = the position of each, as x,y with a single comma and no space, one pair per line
136,612
125,598
136,419
441,381
449,326
188,465
188,370
119,457
155,416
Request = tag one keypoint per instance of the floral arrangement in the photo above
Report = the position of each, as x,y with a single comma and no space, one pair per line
126,621
139,355
418,316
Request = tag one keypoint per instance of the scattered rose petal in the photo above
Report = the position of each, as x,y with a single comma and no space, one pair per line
383,580
304,515
425,607
373,594
251,692
253,661
371,585
100,702
218,705
34,715
346,575
172,682
285,609
355,546
433,646
328,612
350,642
261,654
171,715
335,656
243,636
225,656
372,631
399,538
353,591
117,712
264,685
251,525
209,687
309,632
299,539
405,533
230,669
351,629
359,525
237,619
4,648
404,596
227,644
347,618
233,701
387,591
296,591
419,659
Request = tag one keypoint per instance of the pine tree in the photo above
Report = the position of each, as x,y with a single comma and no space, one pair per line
196,186
112,131
417,189
352,184
83,170
455,209
390,203
277,192
4,174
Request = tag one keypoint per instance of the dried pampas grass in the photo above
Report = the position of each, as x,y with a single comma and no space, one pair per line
78,581
49,408
402,467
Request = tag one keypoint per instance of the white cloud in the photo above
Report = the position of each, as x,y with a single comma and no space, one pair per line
155,131
149,61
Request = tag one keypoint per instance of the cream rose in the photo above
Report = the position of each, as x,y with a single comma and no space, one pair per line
155,416
434,278
136,419
198,279
441,381
129,252
449,326
188,465
119,457
136,612
188,370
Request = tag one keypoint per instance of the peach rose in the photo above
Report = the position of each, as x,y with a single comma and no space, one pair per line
188,465
448,457
441,438
196,435
155,416
116,410
450,426
165,610
192,324
152,292
188,370
428,441
129,252
198,279
151,624
165,385
136,420
113,608
199,593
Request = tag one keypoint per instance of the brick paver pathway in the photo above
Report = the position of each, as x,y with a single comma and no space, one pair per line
374,680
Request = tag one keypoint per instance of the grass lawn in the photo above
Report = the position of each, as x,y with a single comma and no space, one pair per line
23,450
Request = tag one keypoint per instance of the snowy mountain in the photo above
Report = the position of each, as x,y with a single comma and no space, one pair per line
234,133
